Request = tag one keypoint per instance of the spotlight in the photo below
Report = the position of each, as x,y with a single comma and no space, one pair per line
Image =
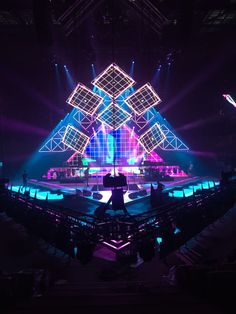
64,66
132,61
55,64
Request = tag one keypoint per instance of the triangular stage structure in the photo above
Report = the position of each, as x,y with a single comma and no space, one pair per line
171,142
111,121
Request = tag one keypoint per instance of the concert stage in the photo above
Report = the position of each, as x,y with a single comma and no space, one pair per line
113,128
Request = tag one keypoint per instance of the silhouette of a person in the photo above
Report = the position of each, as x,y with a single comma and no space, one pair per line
86,175
25,178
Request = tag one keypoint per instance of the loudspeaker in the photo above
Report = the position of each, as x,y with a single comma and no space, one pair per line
133,187
97,196
87,193
142,193
133,195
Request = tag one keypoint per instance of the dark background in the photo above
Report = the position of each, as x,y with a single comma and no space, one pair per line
196,37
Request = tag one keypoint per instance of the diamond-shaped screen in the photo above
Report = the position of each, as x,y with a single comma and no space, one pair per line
143,99
84,99
75,139
152,138
113,81
114,116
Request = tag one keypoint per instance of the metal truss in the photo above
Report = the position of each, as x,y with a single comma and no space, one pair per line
76,14
143,120
55,144
84,121
150,12
171,142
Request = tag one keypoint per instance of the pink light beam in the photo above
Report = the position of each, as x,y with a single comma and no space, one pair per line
229,99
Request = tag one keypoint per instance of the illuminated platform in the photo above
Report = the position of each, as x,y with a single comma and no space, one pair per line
135,192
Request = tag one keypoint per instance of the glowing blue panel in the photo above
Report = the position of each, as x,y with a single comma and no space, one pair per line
188,192
196,187
108,144
211,184
181,193
205,185
177,193
47,195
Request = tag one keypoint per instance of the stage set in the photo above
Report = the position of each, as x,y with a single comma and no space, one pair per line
112,129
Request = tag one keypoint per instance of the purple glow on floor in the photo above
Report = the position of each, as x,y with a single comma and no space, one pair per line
116,248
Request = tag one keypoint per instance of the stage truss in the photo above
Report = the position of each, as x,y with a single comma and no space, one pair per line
102,118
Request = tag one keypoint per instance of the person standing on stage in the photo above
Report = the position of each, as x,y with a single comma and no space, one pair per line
160,187
159,191
25,178
190,169
86,175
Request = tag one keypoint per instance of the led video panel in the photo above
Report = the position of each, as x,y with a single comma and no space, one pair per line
113,81
84,99
152,138
75,139
143,99
114,116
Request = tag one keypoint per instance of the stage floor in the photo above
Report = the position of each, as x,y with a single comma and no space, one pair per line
87,205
